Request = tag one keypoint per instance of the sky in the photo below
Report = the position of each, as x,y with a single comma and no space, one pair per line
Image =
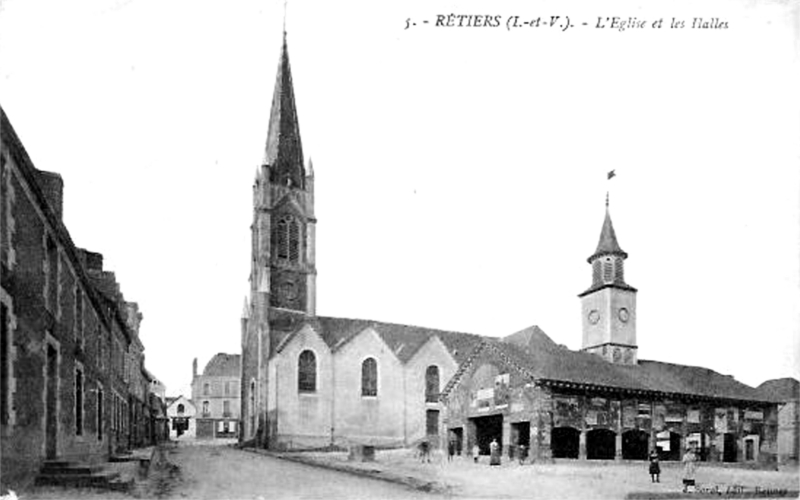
461,172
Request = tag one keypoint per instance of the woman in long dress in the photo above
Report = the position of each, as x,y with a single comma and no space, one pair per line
494,451
689,469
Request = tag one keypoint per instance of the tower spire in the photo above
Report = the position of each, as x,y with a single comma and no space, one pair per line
284,151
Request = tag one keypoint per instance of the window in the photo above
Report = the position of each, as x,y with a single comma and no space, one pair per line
432,422
205,409
369,377
607,270
78,401
99,413
226,408
287,238
294,241
5,378
78,314
206,389
50,267
432,384
252,407
181,409
307,372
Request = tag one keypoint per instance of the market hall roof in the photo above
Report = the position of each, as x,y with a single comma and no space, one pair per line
543,361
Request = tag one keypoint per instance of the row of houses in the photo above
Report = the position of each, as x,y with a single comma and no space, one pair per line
74,384
212,412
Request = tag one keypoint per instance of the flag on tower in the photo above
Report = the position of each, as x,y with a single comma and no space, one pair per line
611,174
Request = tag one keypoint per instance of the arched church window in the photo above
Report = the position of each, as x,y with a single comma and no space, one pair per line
294,241
180,409
307,372
369,377
432,384
282,241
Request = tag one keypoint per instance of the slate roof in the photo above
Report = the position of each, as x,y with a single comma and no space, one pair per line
536,355
608,244
780,389
403,340
223,365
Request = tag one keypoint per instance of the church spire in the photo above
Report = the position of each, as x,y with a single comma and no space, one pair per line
284,151
608,244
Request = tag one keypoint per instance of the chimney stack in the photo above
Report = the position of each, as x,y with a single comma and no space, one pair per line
53,188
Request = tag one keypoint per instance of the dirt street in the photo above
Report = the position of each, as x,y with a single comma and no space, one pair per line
208,472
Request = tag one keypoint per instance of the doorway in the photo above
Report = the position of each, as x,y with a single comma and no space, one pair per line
600,444
457,435
565,442
487,429
520,436
634,445
51,403
729,447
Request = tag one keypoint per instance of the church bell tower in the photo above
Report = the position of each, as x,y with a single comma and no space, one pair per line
282,264
609,305
283,227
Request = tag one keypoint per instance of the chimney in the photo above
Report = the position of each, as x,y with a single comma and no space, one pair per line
194,369
92,260
53,187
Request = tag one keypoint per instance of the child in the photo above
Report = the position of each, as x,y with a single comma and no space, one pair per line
655,468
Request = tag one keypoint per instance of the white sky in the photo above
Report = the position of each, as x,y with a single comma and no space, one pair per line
460,172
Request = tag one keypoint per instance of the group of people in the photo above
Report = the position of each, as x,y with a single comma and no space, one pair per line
689,468
689,460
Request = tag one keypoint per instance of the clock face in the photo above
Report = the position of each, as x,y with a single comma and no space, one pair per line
594,316
624,315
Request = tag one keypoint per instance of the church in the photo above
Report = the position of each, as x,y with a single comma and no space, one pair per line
312,382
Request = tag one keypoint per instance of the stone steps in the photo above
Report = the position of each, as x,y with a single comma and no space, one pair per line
77,475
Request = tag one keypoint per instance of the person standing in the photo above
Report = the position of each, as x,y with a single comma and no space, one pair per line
494,453
655,467
689,469
476,451
451,449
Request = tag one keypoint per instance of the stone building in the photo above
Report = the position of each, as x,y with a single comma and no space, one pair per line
182,416
70,356
785,391
602,402
310,381
216,395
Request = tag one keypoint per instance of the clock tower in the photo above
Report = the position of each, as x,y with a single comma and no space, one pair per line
609,305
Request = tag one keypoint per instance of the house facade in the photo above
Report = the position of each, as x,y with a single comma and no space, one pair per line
786,392
70,355
182,416
216,395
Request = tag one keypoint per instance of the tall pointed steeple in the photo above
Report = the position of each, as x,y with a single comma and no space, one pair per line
608,244
284,150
